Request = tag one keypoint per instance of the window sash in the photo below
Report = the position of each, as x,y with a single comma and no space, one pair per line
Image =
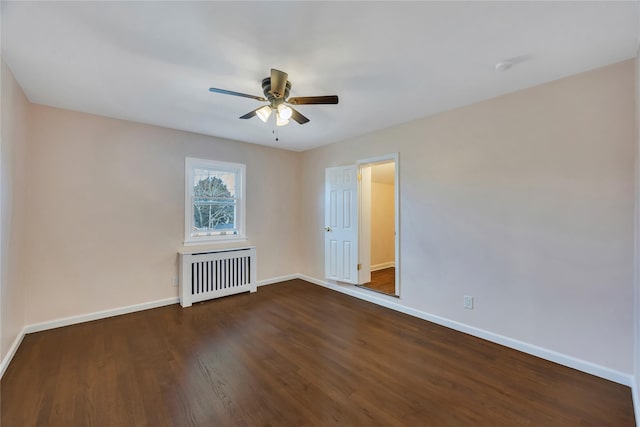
234,228
214,200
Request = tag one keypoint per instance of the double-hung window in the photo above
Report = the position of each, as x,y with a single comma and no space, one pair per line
214,201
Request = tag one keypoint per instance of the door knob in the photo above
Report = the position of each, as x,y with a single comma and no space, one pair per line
327,229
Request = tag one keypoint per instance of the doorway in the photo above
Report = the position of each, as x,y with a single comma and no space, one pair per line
378,226
361,224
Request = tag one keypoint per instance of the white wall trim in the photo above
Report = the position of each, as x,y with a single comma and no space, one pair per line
278,279
72,320
389,302
383,266
12,351
66,321
553,356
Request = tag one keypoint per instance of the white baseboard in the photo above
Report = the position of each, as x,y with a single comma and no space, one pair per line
553,356
72,320
383,266
4,364
389,302
278,279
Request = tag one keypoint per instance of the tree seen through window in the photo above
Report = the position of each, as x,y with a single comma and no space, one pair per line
214,204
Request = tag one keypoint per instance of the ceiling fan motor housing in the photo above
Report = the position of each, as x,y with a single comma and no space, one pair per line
274,100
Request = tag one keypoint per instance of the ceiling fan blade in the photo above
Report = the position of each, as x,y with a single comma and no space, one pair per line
250,114
295,115
230,92
278,83
329,99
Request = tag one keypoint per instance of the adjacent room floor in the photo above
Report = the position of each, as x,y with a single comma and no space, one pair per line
383,281
292,354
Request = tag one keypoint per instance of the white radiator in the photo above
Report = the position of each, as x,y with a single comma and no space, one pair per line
214,274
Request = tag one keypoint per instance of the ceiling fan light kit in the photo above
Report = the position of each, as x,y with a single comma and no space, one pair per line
263,113
284,112
280,121
276,91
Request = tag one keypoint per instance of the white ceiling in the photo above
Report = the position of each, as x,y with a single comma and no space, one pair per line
390,62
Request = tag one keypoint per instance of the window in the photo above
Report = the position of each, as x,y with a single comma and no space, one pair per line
214,201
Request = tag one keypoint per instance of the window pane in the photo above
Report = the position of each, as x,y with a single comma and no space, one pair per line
213,216
212,183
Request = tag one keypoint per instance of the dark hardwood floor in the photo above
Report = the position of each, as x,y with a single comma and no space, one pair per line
292,354
383,281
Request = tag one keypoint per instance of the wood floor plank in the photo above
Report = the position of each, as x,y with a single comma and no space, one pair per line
292,354
383,281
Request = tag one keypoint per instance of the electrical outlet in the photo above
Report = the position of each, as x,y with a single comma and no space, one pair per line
175,281
468,302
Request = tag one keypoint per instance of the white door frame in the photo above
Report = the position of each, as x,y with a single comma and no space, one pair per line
369,162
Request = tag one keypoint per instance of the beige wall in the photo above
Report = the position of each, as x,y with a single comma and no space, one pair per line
105,209
525,202
382,223
13,159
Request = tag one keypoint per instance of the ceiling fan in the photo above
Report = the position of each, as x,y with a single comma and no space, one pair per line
276,91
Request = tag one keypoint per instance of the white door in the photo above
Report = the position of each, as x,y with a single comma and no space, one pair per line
341,224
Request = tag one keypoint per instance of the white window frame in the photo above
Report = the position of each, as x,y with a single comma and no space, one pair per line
240,170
